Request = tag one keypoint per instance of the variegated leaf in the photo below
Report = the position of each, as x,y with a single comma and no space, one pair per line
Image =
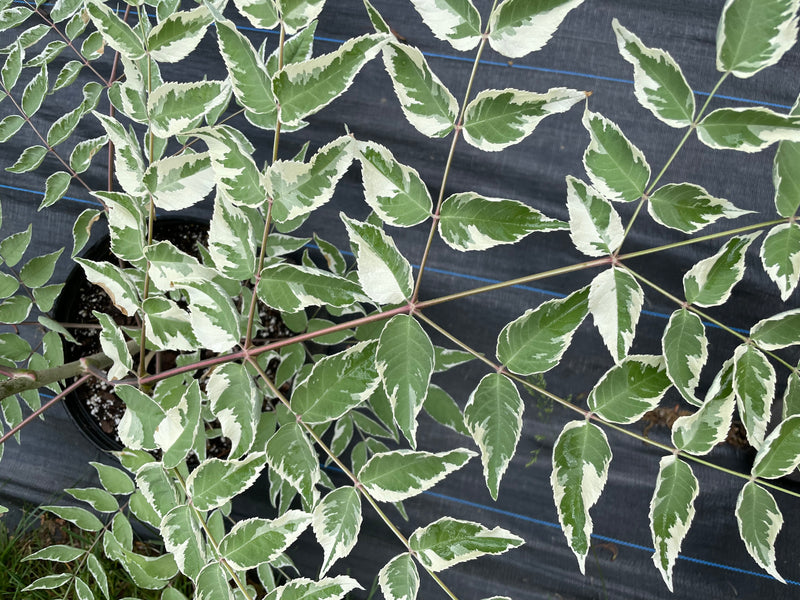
616,168
393,190
426,102
449,541
760,520
304,88
580,469
212,583
142,417
336,523
747,129
289,288
469,221
685,349
404,360
235,171
291,456
441,407
126,225
629,389
234,402
157,488
183,538
167,326
175,37
399,578
710,281
298,188
262,14
754,384
455,21
754,34
615,301
336,384
179,428
671,512
231,241
328,588
594,225
784,174
658,82
384,274
112,341
215,320
116,33
171,268
175,108
689,208
128,161
216,481
780,256
496,119
297,14
251,83
252,542
493,415
536,341
519,27
791,396
115,283
778,331
780,454
178,182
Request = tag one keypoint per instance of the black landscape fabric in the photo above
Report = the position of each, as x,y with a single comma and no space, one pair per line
583,55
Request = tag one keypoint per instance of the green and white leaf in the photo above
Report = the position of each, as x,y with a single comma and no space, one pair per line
216,481
38,270
617,169
178,182
168,326
689,208
401,474
262,14
493,415
595,227
231,241
82,154
780,256
536,341
615,301
760,520
747,129
112,341
98,574
172,268
441,407
778,331
215,320
297,14
126,225
174,38
784,174
496,119
128,161
685,349
183,538
671,512
33,94
29,160
469,221
251,83
289,288
393,190
710,281
449,541
455,21
233,399
304,88
56,186
399,578
298,188
519,27
384,274
755,34
116,33
143,415
336,384
114,480
290,455
336,523
581,456
405,360
56,553
176,108
328,588
630,389
780,454
658,82
80,517
212,583
120,289
754,384
426,102
252,542
157,488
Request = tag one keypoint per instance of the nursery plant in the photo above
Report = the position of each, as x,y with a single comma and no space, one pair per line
169,145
